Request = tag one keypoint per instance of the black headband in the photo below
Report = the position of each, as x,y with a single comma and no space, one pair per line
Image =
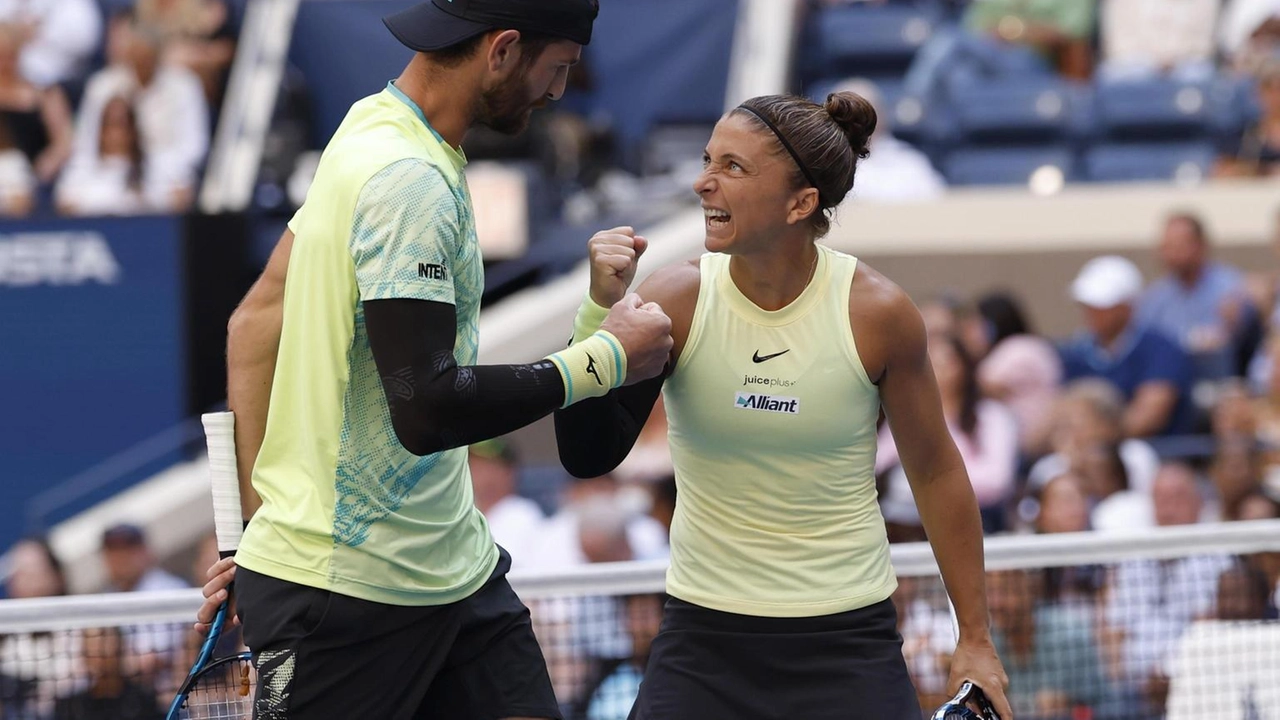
804,170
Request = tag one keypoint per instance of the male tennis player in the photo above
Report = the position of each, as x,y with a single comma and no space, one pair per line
368,583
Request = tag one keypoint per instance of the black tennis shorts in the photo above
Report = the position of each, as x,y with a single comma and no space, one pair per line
711,665
321,655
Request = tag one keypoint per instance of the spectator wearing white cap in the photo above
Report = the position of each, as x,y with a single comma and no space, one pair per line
1248,33
1152,371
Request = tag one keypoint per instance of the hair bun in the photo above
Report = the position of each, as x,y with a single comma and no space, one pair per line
856,116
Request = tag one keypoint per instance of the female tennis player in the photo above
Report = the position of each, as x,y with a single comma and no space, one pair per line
785,352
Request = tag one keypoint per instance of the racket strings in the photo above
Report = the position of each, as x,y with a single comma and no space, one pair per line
223,692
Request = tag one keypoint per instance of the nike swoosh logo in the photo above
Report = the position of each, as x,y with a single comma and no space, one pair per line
757,357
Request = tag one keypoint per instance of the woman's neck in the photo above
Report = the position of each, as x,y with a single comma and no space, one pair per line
774,280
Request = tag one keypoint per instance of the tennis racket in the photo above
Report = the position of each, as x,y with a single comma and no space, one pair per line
220,688
957,708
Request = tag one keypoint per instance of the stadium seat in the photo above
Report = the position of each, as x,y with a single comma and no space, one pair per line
1233,105
857,39
1150,109
889,86
1177,161
928,124
1020,109
1009,165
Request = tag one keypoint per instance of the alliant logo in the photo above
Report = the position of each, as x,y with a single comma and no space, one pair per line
768,403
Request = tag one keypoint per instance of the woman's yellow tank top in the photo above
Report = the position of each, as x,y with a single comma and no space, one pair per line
773,436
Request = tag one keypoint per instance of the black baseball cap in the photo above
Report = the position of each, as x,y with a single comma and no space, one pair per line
123,535
439,24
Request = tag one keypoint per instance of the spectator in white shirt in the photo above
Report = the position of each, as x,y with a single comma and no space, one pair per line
199,35
514,521
61,35
172,115
110,183
895,171
1145,38
1152,602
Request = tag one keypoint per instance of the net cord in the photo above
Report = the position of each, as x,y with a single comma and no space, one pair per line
612,579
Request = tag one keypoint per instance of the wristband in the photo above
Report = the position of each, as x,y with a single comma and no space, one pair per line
588,320
591,368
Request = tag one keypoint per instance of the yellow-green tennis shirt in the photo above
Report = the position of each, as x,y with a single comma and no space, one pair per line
772,424
344,506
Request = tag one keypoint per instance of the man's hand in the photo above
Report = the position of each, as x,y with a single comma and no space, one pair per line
976,662
645,333
220,575
613,255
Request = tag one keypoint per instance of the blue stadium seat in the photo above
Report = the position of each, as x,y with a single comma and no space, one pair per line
1151,109
1006,165
1234,105
890,88
1177,161
1013,109
928,124
858,38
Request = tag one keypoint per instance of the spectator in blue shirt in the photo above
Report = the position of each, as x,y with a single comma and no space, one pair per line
1199,303
1053,659
613,697
1150,370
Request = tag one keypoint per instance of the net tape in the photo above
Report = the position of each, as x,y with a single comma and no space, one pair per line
618,579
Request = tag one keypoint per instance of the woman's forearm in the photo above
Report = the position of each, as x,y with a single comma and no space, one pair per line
949,512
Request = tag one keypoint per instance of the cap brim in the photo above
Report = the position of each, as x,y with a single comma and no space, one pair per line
425,27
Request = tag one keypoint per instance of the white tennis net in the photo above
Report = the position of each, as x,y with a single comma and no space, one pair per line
1175,622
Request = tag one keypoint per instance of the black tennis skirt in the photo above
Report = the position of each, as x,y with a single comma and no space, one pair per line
711,665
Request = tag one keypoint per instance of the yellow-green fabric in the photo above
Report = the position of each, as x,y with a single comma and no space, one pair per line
345,507
772,424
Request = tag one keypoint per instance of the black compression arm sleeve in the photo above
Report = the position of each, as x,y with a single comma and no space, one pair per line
437,405
594,436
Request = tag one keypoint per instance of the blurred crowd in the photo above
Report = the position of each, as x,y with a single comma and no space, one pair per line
1174,373
108,673
1095,41
1162,410
108,115
1131,38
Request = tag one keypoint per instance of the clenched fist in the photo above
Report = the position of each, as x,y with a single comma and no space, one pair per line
645,333
614,255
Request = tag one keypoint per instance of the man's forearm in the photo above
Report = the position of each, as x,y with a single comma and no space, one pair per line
253,339
251,364
949,512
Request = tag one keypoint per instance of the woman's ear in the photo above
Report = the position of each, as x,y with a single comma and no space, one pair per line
803,205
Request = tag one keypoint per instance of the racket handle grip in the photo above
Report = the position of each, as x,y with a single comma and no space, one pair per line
220,436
